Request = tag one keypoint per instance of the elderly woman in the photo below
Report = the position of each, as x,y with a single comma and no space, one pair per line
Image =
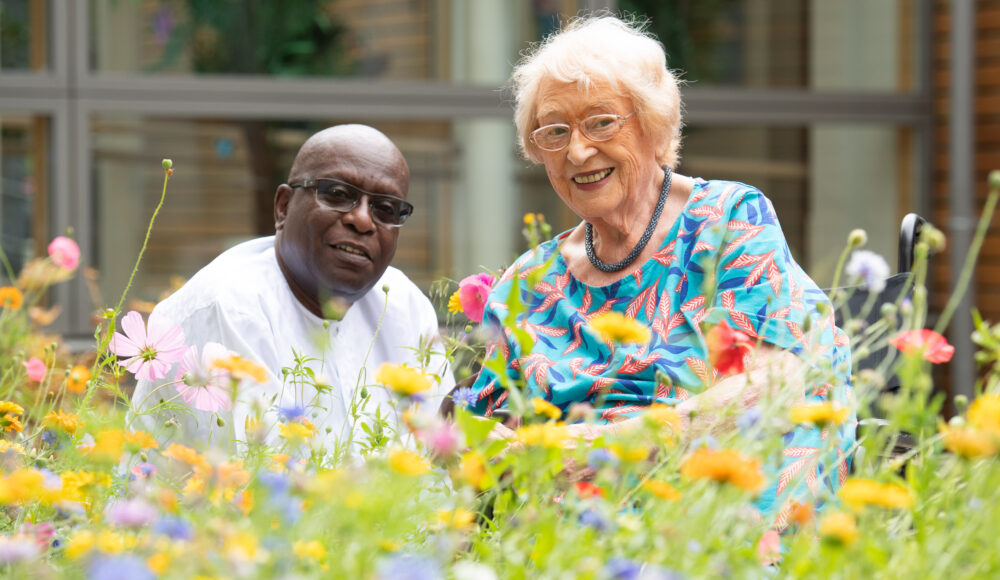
597,106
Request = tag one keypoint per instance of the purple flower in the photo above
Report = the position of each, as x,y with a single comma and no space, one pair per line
748,419
18,549
601,457
125,567
408,567
868,268
622,569
595,519
50,438
276,483
173,527
465,397
130,513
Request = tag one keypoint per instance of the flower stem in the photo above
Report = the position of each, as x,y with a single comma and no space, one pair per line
970,260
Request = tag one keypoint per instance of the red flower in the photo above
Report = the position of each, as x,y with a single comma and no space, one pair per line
931,345
588,490
727,348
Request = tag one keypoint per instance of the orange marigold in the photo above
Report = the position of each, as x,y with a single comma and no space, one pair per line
67,422
76,380
724,466
662,490
187,455
241,368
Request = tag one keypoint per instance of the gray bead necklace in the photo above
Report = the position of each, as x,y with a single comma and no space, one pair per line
617,266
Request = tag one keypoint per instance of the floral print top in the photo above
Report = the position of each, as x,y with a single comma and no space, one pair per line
725,258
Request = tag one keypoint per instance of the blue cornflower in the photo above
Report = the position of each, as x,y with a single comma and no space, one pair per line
173,527
50,438
292,412
868,268
408,567
748,419
595,519
126,567
622,569
706,441
465,397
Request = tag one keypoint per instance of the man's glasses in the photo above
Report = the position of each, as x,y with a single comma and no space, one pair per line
595,127
386,210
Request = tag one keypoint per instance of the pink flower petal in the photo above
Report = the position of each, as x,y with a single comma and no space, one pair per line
122,345
134,328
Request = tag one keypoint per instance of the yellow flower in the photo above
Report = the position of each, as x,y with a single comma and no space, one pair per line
984,413
472,469
110,542
80,544
529,218
194,487
11,297
67,422
969,442
76,380
408,462
631,453
543,407
241,368
618,328
664,416
299,430
22,486
242,546
455,303
403,379
662,490
158,563
13,408
108,445
311,550
858,493
11,422
189,456
139,440
820,414
839,527
724,466
549,435
456,519
245,501
7,447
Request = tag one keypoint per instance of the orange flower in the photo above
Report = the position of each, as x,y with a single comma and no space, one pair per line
67,422
187,455
724,466
800,513
241,368
587,490
76,380
138,440
727,349
11,297
929,344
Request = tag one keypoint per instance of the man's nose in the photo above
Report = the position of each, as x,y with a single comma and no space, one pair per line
360,217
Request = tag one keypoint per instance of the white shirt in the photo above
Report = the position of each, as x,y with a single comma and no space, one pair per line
241,300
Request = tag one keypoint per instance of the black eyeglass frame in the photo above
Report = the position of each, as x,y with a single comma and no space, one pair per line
620,121
405,207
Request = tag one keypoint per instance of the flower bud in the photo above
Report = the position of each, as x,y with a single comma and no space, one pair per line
168,164
143,457
857,238
994,179
220,421
934,238
364,393
385,288
960,402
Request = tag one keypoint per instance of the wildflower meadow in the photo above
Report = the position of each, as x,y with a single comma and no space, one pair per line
85,493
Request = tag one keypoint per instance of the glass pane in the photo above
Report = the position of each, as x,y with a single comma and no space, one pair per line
222,192
384,39
24,186
24,34
855,45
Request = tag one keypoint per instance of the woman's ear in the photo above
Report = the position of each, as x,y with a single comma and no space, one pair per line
282,197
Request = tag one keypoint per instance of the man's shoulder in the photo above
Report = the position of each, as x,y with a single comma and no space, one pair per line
234,280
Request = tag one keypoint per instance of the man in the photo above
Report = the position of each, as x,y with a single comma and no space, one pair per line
278,300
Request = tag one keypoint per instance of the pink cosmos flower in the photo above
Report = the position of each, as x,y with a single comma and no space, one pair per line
932,346
472,292
442,439
204,386
36,369
151,353
64,253
130,513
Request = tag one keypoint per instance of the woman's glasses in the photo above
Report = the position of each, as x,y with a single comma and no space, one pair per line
386,210
595,127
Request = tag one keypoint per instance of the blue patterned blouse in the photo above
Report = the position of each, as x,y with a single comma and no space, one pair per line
727,236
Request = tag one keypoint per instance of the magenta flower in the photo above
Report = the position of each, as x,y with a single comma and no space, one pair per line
443,439
151,353
36,369
472,292
204,386
64,253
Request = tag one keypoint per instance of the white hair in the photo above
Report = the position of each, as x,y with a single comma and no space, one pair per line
604,49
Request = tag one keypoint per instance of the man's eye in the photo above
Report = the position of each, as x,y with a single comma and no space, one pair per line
384,208
337,193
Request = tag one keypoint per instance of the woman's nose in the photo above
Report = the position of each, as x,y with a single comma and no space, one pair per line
579,149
